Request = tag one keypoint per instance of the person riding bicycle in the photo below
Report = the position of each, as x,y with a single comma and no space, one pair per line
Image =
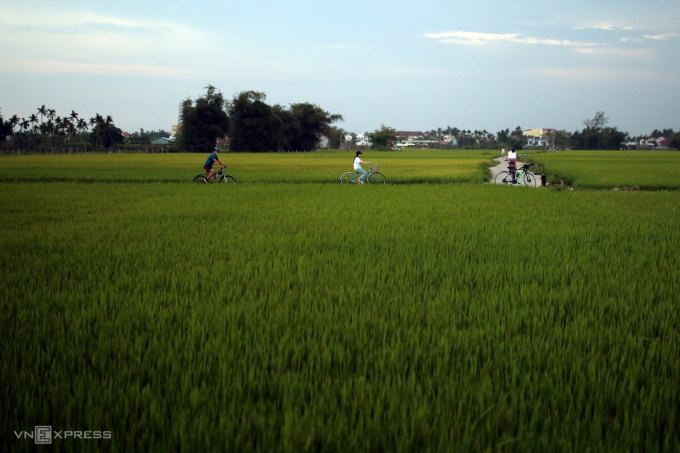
512,162
357,167
208,166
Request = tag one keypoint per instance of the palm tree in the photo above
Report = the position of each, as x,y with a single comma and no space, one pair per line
33,119
74,115
14,121
25,124
43,112
58,125
82,125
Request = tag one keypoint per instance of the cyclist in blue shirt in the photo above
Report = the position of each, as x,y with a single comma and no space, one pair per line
208,166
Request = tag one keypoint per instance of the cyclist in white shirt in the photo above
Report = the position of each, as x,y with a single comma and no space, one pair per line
357,167
512,162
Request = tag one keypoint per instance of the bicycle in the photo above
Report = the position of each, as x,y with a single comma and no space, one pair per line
374,177
220,176
514,176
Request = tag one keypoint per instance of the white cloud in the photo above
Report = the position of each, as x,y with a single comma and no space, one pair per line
62,20
661,37
479,39
616,52
601,74
604,26
59,33
63,67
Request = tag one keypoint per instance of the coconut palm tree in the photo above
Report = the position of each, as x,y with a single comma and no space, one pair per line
14,121
42,111
33,119
82,125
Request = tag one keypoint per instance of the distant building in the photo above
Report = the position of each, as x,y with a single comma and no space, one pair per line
537,138
409,135
323,142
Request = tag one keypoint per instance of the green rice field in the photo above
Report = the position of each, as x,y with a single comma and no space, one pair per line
276,316
317,167
655,170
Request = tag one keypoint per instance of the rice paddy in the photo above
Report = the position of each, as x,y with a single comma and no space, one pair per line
270,316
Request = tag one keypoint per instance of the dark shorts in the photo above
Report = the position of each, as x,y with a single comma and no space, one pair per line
207,169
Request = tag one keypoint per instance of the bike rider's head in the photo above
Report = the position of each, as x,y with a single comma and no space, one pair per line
359,153
215,149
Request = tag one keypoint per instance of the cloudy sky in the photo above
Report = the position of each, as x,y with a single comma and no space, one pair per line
411,65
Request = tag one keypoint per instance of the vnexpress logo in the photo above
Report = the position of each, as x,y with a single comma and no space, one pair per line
42,435
45,435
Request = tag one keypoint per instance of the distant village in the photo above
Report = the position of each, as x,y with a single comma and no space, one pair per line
536,138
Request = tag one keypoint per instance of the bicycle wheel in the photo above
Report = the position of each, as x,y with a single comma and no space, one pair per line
376,178
348,178
529,179
504,177
200,179
225,179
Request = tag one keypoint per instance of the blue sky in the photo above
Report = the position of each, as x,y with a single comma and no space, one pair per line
411,65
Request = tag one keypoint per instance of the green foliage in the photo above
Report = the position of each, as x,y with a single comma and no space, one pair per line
203,122
674,141
336,137
146,137
559,139
517,138
503,137
105,133
259,127
254,124
5,128
266,317
605,138
312,121
383,137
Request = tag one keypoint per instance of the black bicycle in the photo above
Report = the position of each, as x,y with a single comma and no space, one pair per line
220,176
513,176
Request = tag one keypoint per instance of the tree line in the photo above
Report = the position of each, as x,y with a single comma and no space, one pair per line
594,135
248,124
45,130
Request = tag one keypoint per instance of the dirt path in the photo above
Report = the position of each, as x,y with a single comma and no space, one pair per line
502,165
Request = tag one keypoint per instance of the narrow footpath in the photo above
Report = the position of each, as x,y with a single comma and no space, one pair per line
502,165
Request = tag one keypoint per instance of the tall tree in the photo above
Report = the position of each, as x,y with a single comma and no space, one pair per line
42,110
204,122
14,120
34,120
559,139
503,137
597,122
312,122
517,138
674,140
104,133
383,137
5,128
336,137
254,124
